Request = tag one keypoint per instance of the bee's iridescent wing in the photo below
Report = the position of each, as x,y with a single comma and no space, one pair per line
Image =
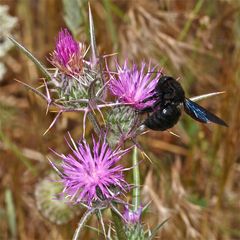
201,114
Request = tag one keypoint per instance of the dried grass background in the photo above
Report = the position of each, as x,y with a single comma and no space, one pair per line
194,179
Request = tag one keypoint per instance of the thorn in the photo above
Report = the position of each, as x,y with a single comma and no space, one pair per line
92,36
104,122
73,143
86,51
48,105
39,87
53,122
145,155
55,168
109,55
174,134
102,88
200,97
84,123
32,89
46,87
48,96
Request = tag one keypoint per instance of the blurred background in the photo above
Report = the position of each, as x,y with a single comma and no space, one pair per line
194,179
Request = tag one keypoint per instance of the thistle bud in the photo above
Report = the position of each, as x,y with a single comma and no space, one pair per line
73,73
121,122
55,210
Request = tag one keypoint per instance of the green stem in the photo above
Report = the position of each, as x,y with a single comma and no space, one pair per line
110,23
186,27
188,24
11,213
136,181
121,235
82,222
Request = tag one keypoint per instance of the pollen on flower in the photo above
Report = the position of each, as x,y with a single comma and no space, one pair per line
132,84
68,54
91,174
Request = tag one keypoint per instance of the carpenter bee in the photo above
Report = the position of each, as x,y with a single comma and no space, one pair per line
168,97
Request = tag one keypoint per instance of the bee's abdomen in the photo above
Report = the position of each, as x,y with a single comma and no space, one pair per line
163,119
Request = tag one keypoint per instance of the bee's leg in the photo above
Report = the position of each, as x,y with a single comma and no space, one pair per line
149,108
153,97
157,103
146,110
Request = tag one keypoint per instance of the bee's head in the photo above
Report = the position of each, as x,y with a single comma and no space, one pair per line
170,89
164,80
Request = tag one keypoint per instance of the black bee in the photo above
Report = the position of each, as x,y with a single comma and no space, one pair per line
168,97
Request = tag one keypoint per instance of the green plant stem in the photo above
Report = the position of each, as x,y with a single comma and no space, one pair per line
11,213
186,28
188,24
110,23
121,235
136,181
82,222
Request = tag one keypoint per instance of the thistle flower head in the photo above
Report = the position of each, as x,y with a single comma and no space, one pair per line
133,85
90,175
58,212
132,217
68,54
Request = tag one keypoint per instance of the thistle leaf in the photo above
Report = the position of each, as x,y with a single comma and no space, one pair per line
73,15
155,230
145,208
39,65
92,37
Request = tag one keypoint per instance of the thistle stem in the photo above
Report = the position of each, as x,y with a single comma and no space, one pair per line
121,235
136,181
81,223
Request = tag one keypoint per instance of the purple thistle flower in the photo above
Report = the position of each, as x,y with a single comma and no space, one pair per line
66,47
133,85
92,174
68,54
132,217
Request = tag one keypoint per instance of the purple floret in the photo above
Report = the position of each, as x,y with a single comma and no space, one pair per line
68,54
66,47
133,85
90,174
